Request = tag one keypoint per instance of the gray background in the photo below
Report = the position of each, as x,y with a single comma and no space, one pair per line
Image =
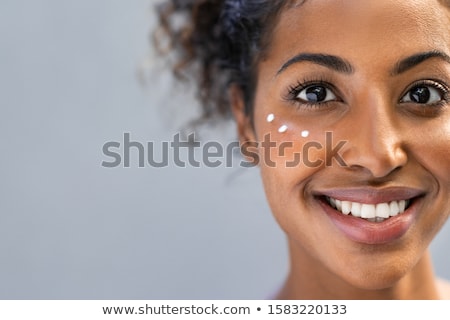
71,229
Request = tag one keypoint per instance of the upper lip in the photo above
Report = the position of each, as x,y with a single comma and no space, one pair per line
371,195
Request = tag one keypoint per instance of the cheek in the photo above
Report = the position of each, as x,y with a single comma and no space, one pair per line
430,147
295,155
290,152
289,145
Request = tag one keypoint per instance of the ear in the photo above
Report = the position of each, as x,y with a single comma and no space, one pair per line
246,132
243,121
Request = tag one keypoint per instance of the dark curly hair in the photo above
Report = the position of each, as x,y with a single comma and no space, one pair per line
220,42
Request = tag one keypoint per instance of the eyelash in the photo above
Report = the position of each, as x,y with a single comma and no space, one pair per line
443,90
294,90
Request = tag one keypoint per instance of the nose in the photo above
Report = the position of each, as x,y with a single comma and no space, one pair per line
375,141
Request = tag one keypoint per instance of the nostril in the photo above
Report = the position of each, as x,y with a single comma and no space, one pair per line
375,162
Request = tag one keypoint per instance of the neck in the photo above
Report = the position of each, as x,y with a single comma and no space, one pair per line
310,280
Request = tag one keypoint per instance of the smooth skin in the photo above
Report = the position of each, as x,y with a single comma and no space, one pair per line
391,139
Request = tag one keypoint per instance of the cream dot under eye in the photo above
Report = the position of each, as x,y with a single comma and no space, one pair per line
305,133
270,117
282,129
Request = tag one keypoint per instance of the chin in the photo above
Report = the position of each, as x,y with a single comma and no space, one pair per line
378,277
373,281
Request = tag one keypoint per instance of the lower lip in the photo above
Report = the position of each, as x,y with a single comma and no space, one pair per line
367,232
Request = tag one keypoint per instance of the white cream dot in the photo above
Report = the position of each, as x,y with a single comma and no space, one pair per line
270,117
305,133
283,129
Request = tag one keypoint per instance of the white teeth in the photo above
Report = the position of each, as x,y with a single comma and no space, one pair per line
332,202
368,211
394,209
383,210
356,209
372,212
346,207
402,205
376,219
338,204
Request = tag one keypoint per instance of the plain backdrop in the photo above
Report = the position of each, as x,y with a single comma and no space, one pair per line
71,80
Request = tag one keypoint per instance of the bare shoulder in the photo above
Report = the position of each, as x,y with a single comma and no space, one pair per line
444,289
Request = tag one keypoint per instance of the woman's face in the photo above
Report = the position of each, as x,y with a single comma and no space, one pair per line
353,103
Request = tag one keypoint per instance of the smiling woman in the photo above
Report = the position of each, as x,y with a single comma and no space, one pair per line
374,76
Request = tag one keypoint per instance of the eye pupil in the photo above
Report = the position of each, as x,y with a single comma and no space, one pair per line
316,93
420,95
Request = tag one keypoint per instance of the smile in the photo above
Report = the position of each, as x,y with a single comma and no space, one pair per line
372,212
369,215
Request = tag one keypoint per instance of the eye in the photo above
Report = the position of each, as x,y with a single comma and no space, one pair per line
316,94
424,94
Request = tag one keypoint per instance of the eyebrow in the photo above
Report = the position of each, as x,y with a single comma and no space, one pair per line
410,62
333,62
340,65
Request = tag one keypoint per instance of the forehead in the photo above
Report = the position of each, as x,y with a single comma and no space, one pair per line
355,27
425,11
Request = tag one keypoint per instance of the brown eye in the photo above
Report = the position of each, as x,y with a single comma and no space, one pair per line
423,94
316,94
